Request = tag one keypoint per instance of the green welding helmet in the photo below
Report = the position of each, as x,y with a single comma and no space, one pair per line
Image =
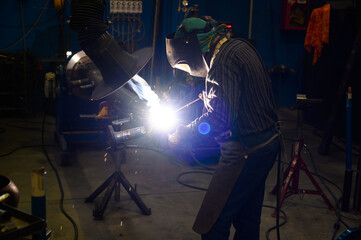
183,47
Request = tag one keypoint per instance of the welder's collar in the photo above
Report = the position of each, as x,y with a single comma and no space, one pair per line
209,55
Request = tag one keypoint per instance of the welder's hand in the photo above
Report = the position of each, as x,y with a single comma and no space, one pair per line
179,137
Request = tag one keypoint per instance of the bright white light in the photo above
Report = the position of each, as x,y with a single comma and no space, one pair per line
162,118
68,54
143,90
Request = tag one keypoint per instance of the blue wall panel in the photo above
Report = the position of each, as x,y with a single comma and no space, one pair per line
275,46
43,40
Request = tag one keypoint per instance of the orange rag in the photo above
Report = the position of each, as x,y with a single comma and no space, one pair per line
318,31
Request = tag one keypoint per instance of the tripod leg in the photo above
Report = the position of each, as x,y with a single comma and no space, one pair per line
287,183
319,190
133,194
117,192
99,189
274,190
100,208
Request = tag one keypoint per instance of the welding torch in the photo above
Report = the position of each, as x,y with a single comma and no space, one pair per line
200,97
118,137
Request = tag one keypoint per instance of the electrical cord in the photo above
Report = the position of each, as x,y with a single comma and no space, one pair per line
337,200
191,186
278,210
29,30
284,217
322,178
21,127
355,150
203,167
278,194
277,226
23,32
316,171
336,226
22,147
61,202
170,157
199,163
37,25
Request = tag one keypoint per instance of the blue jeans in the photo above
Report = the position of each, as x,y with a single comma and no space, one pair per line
244,205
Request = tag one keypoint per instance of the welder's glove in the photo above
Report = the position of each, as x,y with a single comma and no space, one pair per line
180,138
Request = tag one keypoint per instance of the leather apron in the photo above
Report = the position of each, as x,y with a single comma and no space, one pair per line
228,169
234,154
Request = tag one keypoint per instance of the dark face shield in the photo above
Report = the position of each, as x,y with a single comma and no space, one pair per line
185,54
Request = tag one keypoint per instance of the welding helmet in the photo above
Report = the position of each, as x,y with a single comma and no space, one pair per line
186,46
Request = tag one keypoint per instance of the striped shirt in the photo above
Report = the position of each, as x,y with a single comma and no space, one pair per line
238,96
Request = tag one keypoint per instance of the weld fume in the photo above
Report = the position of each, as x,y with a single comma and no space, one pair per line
143,90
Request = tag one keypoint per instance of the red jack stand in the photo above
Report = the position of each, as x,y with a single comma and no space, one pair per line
292,173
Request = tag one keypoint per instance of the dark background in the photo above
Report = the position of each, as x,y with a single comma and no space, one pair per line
22,75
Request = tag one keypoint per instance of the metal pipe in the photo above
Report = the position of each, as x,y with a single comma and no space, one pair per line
155,30
190,103
348,172
250,19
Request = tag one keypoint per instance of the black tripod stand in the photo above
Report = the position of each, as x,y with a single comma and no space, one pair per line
113,182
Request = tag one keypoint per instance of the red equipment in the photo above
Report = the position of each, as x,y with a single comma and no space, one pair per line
294,14
292,173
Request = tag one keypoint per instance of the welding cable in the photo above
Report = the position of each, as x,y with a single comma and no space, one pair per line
45,22
322,178
170,157
191,186
350,218
22,147
123,31
336,226
284,217
20,127
61,202
23,32
29,30
141,29
38,122
337,200
279,158
354,152
316,171
199,162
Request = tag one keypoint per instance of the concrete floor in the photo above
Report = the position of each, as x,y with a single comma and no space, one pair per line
173,205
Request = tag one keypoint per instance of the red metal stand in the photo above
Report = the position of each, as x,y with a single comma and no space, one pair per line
292,173
291,178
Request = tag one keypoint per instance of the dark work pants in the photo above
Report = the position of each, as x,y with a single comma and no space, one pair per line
244,205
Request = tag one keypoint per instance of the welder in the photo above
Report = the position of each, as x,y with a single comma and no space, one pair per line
240,113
